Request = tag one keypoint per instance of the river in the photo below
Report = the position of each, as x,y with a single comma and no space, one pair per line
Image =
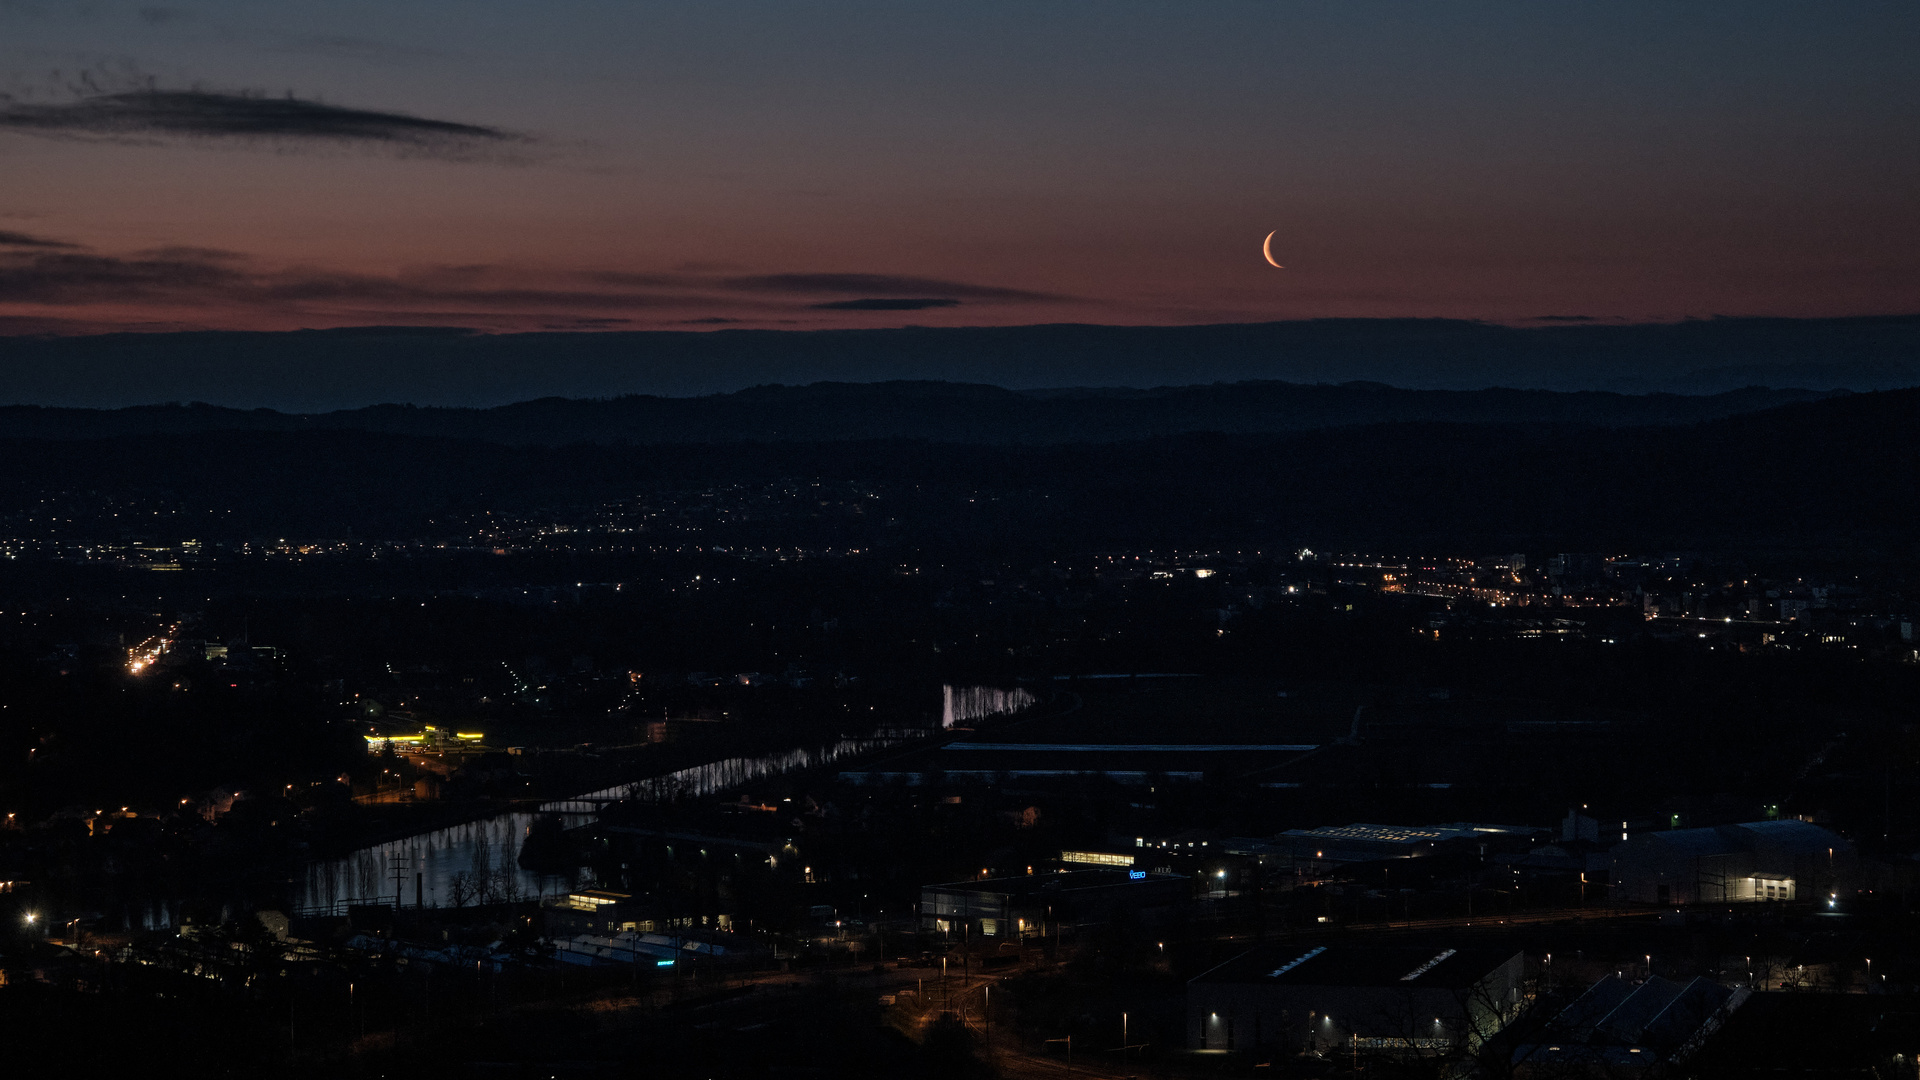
488,850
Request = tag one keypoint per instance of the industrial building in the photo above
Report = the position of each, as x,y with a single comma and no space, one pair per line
1617,1025
1391,999
1757,861
1027,906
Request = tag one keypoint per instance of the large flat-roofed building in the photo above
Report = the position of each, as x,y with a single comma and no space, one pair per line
1386,999
1025,906
1627,1028
1757,861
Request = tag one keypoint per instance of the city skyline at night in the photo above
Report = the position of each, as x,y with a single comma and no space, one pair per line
1129,540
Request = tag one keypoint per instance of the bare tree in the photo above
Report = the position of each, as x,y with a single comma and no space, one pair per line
505,886
1479,1031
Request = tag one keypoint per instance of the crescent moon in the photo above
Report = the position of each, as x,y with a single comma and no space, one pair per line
1266,248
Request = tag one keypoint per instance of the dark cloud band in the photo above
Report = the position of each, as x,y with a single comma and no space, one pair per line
39,271
200,114
902,303
876,285
198,276
79,279
23,240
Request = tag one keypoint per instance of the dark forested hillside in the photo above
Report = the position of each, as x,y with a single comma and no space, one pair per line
943,412
1844,470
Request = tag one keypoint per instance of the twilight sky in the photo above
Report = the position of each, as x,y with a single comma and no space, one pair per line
770,163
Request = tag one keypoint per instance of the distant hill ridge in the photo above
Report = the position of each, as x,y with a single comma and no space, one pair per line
315,371
931,410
